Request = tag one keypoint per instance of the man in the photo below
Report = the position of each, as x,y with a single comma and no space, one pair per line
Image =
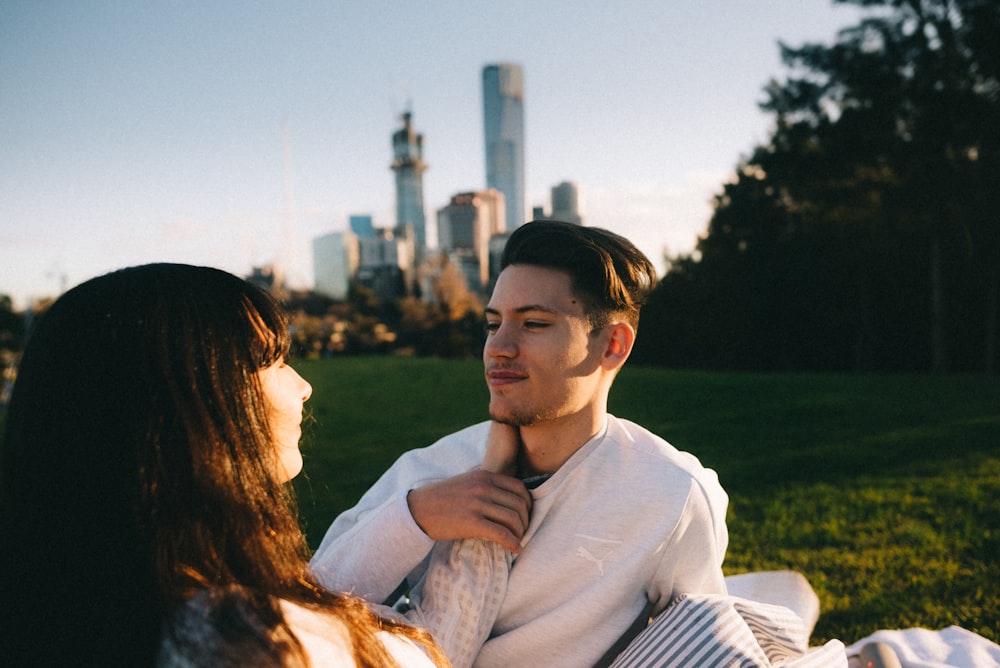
606,522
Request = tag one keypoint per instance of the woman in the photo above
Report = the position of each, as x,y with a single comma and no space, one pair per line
143,515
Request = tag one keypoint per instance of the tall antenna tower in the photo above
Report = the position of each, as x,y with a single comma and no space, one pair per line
286,256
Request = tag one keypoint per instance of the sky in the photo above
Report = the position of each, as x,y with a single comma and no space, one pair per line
232,134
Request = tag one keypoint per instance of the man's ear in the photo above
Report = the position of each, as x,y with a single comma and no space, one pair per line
619,346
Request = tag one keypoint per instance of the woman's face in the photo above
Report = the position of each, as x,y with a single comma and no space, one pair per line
285,392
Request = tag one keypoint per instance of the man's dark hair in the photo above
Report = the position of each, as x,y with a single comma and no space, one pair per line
608,273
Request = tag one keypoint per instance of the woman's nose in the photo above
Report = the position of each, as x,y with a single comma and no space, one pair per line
305,387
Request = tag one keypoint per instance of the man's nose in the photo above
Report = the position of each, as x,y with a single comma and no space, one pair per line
502,342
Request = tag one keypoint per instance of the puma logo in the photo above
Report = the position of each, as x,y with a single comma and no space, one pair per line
585,554
603,547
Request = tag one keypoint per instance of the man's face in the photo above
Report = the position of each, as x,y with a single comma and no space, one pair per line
541,357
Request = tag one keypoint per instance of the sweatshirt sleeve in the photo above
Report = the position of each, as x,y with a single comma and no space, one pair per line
692,563
370,551
371,548
459,597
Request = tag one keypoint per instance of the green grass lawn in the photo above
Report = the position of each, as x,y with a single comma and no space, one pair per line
884,491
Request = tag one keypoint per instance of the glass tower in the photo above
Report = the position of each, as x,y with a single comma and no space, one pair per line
409,165
503,122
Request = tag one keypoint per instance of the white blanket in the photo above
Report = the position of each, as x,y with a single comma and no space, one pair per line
951,647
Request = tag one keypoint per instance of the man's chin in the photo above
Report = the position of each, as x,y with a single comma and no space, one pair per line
510,418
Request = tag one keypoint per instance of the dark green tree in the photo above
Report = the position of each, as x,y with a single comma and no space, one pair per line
864,235
11,326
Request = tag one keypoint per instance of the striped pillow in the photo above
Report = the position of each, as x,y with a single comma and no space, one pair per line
717,630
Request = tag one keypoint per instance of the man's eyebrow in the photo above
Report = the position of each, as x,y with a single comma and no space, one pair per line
527,308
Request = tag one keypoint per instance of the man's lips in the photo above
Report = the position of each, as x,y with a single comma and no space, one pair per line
497,377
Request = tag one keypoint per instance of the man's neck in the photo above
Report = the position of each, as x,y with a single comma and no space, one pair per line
546,446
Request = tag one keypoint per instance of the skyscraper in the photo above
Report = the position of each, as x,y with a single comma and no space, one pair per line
503,123
566,203
385,262
408,163
361,225
465,228
335,259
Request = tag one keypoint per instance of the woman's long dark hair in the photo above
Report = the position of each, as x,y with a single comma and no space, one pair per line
138,469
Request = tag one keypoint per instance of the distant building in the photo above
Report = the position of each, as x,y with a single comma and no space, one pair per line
566,203
466,226
265,277
361,225
385,262
503,123
497,243
335,260
409,166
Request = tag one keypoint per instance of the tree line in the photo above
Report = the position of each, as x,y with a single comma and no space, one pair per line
864,234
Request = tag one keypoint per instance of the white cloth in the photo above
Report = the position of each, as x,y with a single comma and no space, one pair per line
627,520
951,647
785,588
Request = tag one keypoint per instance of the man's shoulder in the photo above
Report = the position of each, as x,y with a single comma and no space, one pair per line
653,450
662,471
636,437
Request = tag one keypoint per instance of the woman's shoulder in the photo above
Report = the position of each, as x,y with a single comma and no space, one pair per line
236,627
327,643
323,637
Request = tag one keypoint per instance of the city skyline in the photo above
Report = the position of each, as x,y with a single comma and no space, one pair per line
215,135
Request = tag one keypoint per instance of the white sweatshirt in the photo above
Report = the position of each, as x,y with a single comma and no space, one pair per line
627,524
